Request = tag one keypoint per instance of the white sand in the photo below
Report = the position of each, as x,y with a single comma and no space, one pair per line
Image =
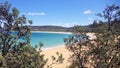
52,52
91,36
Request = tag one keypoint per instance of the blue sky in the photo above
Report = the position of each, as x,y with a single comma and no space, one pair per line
61,12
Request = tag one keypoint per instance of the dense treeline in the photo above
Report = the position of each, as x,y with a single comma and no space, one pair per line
50,28
96,26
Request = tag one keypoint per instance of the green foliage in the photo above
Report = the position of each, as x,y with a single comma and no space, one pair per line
98,26
13,28
27,56
51,28
106,52
81,29
111,14
76,44
102,52
15,48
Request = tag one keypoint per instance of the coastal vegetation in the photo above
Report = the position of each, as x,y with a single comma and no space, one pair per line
100,52
15,48
51,28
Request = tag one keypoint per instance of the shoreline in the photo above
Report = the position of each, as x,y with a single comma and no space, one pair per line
51,51
52,32
91,37
54,47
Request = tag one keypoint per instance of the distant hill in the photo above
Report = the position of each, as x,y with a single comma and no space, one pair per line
95,27
51,28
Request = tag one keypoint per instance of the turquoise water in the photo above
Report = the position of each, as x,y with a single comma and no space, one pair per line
48,39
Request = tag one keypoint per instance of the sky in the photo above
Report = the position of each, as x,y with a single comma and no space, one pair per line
66,13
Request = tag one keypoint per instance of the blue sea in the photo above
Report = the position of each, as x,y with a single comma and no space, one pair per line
48,39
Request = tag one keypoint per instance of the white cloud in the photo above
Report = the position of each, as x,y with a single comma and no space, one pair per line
87,12
36,13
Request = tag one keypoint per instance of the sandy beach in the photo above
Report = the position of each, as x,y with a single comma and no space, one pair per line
91,36
52,52
61,49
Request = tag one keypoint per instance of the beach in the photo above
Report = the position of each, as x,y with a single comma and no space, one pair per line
52,52
61,49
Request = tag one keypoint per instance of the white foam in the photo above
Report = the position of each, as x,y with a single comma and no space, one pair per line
48,48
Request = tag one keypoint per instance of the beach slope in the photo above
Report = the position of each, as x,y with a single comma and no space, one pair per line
52,52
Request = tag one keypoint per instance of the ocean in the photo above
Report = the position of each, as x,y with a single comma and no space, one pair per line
48,39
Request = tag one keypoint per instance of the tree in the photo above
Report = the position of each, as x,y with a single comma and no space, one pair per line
15,48
27,56
102,52
81,29
12,28
76,44
111,13
97,26
105,52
